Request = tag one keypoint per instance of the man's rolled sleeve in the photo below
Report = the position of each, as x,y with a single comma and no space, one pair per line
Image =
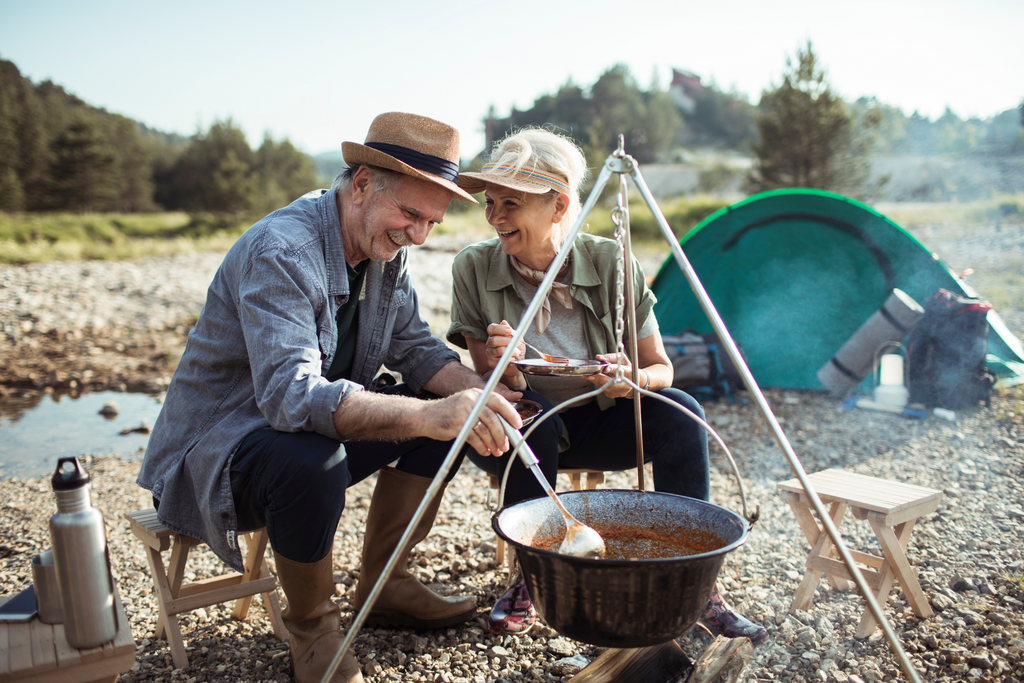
325,400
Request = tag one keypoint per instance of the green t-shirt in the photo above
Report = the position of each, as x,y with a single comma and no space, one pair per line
348,325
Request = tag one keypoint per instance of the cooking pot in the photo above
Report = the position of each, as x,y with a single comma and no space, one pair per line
620,603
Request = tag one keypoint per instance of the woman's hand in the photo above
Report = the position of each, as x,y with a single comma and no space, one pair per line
486,354
606,378
498,337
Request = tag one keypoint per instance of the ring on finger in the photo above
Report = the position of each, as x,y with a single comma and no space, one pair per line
478,426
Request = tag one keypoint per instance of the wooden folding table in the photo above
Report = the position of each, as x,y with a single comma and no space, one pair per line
34,652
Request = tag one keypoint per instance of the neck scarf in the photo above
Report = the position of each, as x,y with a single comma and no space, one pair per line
559,291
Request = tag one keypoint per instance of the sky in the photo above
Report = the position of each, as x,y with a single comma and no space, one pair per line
317,73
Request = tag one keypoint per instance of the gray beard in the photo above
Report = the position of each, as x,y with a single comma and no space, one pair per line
400,238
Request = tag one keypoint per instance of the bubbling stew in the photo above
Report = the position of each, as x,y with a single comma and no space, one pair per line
624,542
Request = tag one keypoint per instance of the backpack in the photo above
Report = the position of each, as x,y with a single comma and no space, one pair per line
701,366
947,353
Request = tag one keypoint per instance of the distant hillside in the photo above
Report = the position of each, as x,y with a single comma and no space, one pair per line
58,153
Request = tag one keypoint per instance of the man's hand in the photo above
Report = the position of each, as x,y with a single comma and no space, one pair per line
365,416
442,419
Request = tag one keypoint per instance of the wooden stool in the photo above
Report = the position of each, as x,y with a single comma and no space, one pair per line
890,507
174,598
594,479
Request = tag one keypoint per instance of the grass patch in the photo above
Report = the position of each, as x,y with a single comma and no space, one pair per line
1003,287
682,215
32,238
1015,579
1005,209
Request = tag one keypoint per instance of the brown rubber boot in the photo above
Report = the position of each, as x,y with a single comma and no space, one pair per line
404,602
313,621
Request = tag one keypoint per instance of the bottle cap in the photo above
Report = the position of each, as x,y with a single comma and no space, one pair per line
69,475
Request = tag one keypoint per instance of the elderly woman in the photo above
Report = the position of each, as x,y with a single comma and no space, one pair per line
531,187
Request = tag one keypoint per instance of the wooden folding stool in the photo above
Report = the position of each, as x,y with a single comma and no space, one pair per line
890,507
174,598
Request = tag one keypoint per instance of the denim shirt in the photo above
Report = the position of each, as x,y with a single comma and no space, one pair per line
258,355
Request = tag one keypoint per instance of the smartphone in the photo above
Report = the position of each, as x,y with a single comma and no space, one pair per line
21,607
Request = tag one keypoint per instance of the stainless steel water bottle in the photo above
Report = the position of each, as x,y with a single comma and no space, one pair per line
81,559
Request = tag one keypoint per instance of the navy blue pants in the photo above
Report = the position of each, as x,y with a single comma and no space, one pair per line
606,440
294,483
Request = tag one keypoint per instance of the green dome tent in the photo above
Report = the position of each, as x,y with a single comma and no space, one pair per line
794,273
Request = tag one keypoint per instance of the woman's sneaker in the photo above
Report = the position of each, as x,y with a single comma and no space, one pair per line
513,613
720,619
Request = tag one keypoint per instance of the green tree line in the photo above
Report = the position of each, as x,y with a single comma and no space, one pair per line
800,132
58,153
902,134
615,104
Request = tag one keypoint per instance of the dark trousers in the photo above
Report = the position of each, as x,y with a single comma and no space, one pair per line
606,440
294,483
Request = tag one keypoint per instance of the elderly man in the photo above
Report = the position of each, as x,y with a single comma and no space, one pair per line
271,413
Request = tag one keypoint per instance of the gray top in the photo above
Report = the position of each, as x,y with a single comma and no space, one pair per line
565,336
258,354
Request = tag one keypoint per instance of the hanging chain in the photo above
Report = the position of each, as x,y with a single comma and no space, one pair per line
620,277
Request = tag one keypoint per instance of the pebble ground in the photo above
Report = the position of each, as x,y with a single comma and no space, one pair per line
968,554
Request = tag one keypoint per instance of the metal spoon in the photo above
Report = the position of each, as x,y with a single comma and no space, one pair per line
560,360
580,540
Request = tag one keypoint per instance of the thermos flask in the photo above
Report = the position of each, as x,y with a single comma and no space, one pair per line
81,560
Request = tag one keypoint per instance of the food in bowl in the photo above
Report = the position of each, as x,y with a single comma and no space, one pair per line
527,409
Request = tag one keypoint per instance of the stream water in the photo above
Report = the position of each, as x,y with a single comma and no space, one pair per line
34,434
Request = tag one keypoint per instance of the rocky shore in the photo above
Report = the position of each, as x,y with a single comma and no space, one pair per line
72,327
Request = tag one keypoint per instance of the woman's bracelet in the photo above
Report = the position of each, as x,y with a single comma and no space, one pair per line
646,384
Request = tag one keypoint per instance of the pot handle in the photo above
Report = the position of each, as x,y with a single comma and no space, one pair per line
750,518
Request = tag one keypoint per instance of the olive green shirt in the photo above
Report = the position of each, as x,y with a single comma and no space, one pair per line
483,293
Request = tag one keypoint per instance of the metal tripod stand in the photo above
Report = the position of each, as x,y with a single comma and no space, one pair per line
621,164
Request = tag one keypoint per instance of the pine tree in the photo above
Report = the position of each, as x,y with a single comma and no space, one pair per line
83,173
284,173
23,154
233,186
806,134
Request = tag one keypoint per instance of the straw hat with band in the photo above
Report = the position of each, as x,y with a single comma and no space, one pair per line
413,145
531,180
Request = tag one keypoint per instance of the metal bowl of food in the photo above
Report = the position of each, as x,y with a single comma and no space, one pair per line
528,410
665,552
570,367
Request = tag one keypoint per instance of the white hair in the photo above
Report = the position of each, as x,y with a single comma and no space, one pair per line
385,181
540,149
